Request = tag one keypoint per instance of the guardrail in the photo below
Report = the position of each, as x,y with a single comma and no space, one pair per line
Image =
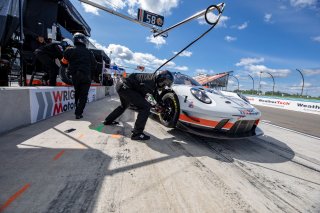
300,105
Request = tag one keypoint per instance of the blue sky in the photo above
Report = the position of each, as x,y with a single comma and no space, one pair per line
271,36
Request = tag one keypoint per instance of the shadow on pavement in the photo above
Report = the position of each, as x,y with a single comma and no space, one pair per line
67,177
254,149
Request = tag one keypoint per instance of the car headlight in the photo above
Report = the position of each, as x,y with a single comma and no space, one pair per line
200,95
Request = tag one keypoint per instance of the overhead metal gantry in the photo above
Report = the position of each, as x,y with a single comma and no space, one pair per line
157,31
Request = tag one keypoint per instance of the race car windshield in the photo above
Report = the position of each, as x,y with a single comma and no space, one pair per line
184,80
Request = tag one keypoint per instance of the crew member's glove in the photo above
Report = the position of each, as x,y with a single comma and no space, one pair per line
64,62
151,99
159,109
64,65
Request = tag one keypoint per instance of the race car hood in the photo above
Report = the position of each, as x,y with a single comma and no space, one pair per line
222,105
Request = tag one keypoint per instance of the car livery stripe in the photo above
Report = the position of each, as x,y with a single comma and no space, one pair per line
203,122
228,125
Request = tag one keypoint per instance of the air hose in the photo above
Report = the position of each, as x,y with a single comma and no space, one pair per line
213,24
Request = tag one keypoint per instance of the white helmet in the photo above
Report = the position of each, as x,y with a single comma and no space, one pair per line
66,43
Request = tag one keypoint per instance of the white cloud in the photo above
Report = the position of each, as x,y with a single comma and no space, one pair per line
243,26
181,68
256,69
310,72
252,65
247,61
317,39
162,7
90,9
306,84
212,17
204,71
149,60
201,71
303,3
268,17
121,52
232,82
230,38
159,40
263,83
184,53
123,56
299,86
114,4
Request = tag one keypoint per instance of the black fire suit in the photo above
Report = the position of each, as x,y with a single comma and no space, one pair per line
81,64
133,90
46,55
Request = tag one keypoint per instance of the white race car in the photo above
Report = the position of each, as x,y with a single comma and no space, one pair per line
208,112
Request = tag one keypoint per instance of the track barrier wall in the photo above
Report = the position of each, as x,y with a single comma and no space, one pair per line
299,105
20,106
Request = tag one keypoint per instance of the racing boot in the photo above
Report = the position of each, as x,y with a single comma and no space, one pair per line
79,116
111,123
139,137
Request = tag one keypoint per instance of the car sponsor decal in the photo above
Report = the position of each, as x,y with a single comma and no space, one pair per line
52,101
248,112
202,122
300,105
191,105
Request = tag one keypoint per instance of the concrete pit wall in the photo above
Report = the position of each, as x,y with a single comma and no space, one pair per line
21,106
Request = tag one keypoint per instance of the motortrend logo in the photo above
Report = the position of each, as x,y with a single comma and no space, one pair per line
61,97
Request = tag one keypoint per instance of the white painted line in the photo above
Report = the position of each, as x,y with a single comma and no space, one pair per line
290,130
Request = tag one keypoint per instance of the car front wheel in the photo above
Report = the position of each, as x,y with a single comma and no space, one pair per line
170,115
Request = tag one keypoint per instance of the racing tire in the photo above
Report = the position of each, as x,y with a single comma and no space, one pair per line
65,77
170,116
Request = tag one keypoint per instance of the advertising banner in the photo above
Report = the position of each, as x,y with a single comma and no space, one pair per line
289,104
51,101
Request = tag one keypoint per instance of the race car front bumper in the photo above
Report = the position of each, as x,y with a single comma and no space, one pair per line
236,132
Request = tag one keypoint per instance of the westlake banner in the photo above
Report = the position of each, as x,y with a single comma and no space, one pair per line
299,105
51,101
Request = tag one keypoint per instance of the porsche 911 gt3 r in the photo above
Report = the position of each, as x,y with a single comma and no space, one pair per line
208,112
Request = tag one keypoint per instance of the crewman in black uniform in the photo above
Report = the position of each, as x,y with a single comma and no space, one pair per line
81,63
47,54
141,90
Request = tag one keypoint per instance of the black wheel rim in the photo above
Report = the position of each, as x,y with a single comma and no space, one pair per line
168,115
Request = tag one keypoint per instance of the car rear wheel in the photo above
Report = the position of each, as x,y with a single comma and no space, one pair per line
170,115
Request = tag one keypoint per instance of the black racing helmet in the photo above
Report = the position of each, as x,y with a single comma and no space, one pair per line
66,43
164,78
79,38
